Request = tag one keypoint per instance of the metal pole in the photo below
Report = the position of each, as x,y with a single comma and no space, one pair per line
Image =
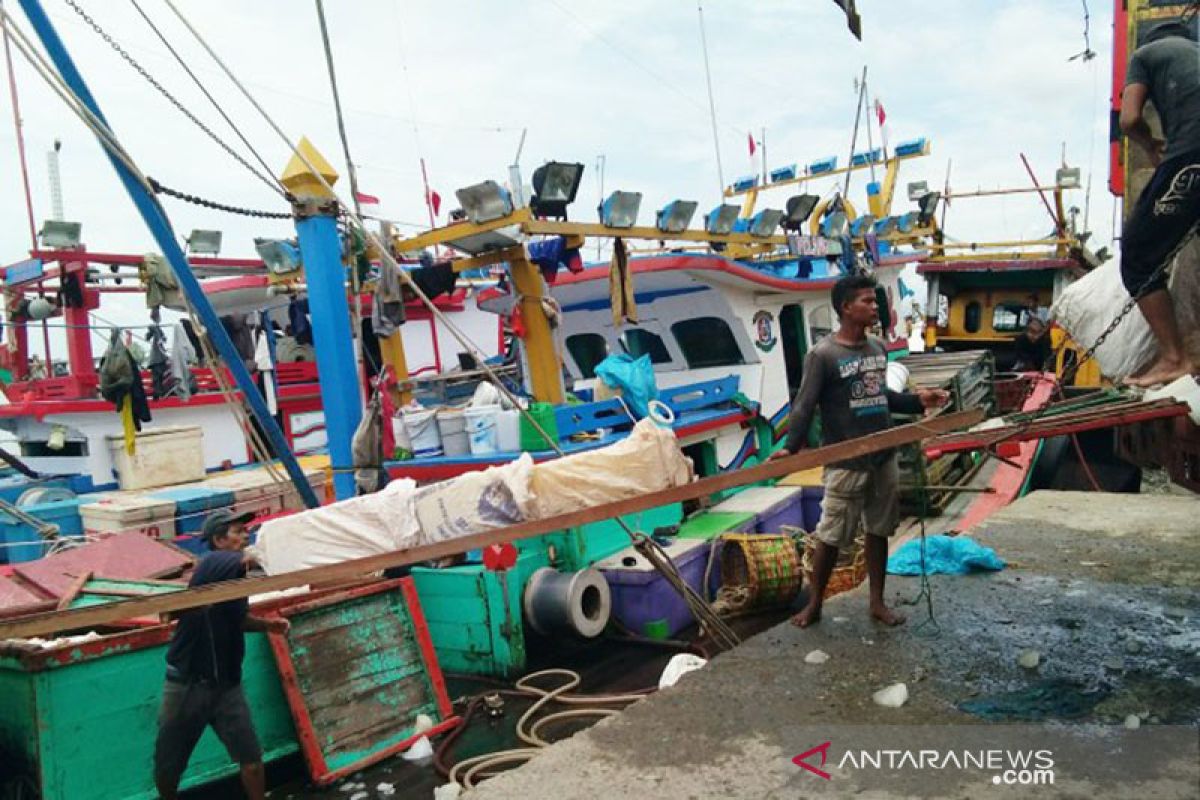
160,227
854,137
712,106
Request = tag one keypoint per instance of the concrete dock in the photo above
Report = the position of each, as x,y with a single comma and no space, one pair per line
1102,589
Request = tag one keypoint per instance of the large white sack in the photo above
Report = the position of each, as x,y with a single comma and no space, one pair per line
1086,309
474,502
647,460
354,528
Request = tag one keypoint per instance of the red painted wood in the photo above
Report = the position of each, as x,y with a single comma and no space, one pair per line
14,595
125,555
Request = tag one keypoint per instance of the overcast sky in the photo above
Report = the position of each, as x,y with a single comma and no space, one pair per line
456,83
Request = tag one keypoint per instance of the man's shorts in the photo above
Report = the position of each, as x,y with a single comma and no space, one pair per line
1163,218
853,495
186,710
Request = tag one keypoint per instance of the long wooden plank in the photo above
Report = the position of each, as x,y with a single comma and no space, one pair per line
44,624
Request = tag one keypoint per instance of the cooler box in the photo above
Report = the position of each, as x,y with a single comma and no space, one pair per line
193,504
162,457
810,502
19,541
115,512
775,506
317,479
254,490
709,525
641,595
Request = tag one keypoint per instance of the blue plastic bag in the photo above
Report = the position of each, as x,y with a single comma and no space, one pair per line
634,377
944,555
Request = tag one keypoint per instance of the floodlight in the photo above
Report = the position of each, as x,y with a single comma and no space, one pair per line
907,222
787,173
886,226
822,166
59,234
836,225
863,225
485,202
720,220
676,216
204,242
929,204
555,184
799,209
620,210
281,256
913,147
917,190
765,222
1067,178
745,183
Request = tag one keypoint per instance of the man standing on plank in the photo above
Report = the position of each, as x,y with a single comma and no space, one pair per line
845,377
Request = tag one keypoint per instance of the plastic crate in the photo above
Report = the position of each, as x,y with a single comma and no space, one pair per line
774,506
19,541
641,595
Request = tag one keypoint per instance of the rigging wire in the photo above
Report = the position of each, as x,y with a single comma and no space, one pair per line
124,54
715,625
16,107
712,105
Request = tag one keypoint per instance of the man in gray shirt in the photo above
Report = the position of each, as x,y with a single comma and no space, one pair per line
845,377
1165,70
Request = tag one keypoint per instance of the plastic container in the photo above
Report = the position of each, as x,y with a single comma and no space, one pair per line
254,490
21,542
193,504
641,597
482,434
452,426
710,525
775,506
423,432
162,457
318,480
117,513
508,430
531,439
810,504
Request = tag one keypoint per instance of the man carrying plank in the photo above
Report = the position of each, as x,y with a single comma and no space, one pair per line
844,376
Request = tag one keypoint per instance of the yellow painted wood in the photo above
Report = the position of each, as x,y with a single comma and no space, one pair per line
392,350
545,371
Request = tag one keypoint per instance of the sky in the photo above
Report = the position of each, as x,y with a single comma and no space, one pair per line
456,84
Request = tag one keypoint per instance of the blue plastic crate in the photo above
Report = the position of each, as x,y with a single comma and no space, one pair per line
193,504
21,542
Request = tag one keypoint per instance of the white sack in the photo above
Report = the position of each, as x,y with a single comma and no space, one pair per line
354,528
474,502
647,460
1086,309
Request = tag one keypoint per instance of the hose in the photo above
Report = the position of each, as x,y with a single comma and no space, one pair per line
466,772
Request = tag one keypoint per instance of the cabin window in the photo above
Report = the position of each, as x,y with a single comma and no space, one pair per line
973,317
1009,318
707,342
588,350
639,342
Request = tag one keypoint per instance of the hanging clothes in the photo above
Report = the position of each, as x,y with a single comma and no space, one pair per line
239,333
194,340
159,364
266,371
387,312
162,289
121,384
434,278
301,328
366,448
620,286
128,425
182,355
551,255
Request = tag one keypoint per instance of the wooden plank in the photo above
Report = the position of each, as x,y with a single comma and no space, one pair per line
43,624
72,591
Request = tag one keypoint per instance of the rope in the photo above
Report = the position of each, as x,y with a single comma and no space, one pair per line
270,182
704,612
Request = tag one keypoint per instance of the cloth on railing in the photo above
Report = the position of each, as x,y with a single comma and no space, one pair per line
620,286
182,355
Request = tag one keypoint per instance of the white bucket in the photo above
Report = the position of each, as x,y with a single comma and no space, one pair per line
508,430
404,446
481,429
897,376
422,433
453,427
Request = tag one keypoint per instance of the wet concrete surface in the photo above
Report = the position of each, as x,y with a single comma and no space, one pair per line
1102,587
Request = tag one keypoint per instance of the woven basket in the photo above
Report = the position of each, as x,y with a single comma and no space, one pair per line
767,565
851,569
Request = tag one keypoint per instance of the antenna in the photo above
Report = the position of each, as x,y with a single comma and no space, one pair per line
56,197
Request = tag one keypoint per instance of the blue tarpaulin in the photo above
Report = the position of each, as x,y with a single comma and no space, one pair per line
944,555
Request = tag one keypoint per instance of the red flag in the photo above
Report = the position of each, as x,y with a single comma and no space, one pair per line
753,144
366,199
879,112
435,201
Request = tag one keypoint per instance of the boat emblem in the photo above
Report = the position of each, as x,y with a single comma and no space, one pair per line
764,331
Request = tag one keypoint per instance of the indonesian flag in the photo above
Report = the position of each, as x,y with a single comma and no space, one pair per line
753,144
435,201
366,199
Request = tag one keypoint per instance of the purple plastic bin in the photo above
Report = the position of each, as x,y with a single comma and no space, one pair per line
811,504
774,506
641,595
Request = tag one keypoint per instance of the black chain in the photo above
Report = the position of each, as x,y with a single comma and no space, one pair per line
178,105
200,201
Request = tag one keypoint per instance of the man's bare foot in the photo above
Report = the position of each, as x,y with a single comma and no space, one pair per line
1164,371
886,615
811,615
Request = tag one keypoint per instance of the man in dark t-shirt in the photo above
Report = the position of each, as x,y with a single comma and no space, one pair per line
1166,71
845,377
204,668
